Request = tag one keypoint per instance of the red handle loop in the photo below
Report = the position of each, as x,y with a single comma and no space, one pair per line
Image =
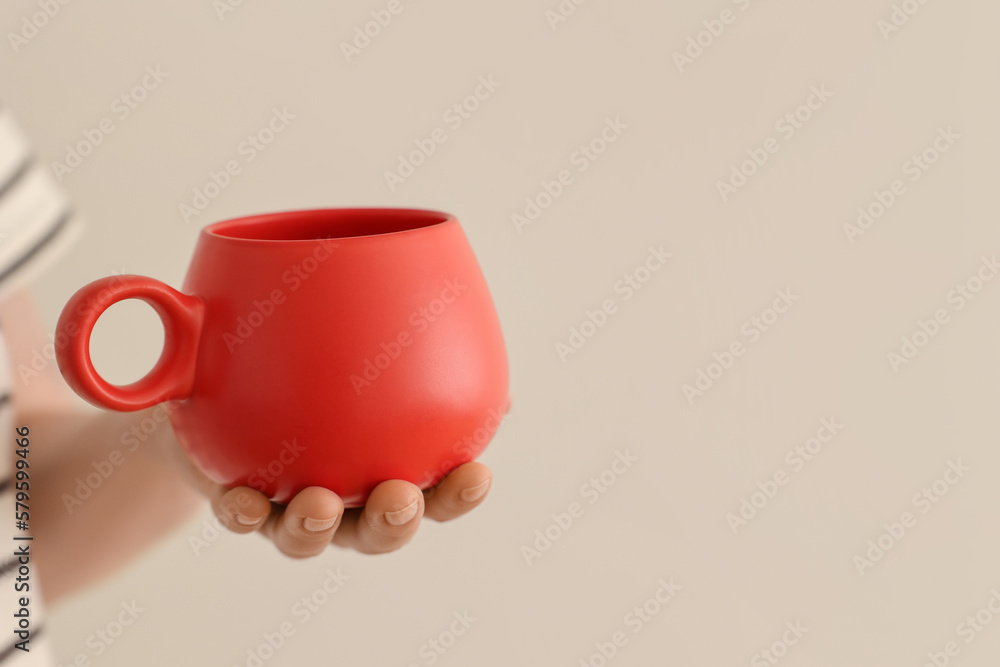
172,378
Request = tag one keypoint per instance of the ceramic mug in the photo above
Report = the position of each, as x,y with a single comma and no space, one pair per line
337,348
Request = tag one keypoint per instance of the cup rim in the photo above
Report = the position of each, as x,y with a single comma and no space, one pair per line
437,218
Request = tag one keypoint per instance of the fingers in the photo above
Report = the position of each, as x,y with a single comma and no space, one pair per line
388,521
316,516
462,490
305,526
241,510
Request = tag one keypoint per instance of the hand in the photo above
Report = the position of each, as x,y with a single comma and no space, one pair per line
316,517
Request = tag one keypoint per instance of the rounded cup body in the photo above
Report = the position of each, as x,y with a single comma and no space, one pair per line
340,348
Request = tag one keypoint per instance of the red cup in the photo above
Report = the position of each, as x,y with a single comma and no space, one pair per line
336,348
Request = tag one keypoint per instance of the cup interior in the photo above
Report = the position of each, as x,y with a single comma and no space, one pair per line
327,224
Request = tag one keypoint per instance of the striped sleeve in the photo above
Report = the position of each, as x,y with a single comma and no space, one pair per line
36,222
36,226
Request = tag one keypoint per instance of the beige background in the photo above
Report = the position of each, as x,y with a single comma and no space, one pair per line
666,517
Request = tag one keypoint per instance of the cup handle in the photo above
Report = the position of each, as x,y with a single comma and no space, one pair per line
172,378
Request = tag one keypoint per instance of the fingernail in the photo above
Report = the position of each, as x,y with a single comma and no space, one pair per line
474,493
399,517
318,525
244,520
